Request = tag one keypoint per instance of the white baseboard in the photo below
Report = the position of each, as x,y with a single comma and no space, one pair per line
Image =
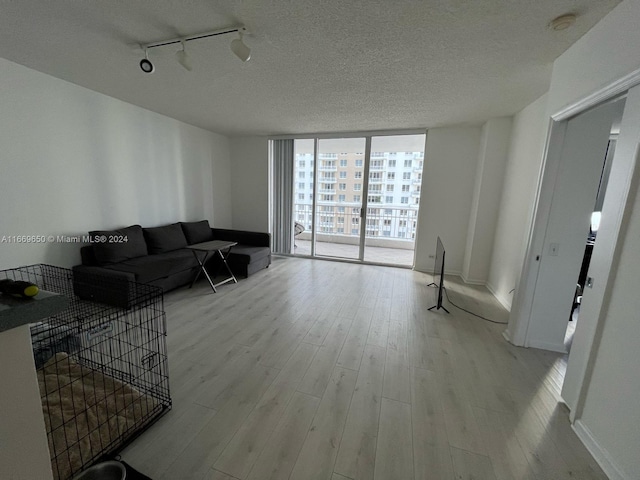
554,347
599,454
505,334
505,302
470,281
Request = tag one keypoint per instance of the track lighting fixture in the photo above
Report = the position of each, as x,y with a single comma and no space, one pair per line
238,47
183,58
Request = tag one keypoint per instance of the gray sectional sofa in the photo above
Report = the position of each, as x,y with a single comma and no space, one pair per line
157,256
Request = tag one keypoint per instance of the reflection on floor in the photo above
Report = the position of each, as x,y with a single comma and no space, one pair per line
571,328
392,256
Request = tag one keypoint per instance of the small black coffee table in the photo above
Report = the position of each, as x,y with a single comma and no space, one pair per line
211,248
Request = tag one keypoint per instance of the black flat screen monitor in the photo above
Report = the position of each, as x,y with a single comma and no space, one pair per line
438,275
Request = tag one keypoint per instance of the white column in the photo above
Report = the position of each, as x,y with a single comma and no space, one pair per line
492,161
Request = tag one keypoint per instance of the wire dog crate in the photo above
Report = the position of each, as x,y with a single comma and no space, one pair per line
102,369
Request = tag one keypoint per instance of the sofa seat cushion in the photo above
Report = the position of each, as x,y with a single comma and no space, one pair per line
164,239
152,267
248,254
197,232
119,245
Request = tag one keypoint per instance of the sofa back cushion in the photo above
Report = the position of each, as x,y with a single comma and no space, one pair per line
197,232
118,245
164,239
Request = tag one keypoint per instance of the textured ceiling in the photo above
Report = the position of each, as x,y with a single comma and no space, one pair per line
316,66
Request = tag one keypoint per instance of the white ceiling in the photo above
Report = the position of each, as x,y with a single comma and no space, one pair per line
316,66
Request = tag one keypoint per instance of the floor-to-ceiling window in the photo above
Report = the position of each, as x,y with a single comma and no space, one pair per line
393,198
358,197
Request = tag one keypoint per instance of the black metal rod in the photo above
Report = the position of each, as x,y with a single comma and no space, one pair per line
191,37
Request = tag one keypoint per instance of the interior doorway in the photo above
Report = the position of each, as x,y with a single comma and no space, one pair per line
576,151
583,280
592,135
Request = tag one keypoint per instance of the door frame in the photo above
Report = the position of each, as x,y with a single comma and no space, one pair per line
585,341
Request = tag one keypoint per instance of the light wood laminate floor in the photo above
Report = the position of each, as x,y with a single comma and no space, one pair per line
324,370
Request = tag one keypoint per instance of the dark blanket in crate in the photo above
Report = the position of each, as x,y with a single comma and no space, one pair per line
86,413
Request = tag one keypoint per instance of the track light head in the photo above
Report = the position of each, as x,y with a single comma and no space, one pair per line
145,64
183,58
240,49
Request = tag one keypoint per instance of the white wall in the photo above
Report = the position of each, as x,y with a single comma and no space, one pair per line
492,160
74,160
222,215
449,173
605,53
250,183
517,201
610,411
